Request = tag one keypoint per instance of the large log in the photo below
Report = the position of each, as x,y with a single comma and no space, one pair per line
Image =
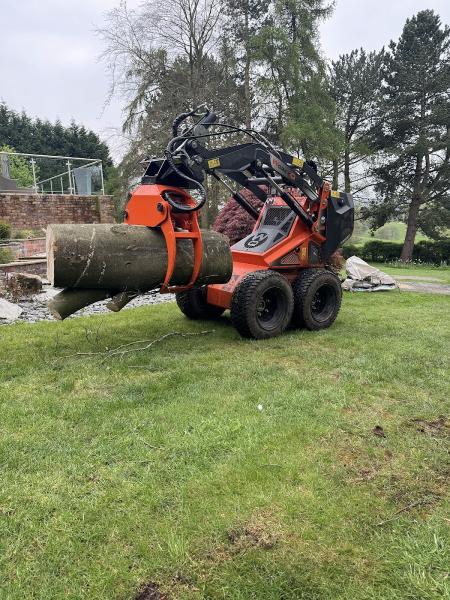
128,258
95,262
69,301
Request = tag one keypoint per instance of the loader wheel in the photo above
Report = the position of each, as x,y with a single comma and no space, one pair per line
317,299
194,305
262,305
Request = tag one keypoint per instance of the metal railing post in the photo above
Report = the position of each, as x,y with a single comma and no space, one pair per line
101,175
33,168
71,190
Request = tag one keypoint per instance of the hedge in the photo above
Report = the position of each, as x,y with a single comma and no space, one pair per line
378,251
5,230
6,255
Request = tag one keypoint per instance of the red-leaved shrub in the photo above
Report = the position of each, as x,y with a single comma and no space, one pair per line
233,221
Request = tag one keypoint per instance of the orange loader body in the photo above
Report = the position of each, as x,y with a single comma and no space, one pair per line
279,270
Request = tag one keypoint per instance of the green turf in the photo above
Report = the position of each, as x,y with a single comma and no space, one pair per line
160,467
439,273
393,231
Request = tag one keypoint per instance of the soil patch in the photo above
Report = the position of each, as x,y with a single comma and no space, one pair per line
251,535
438,427
150,591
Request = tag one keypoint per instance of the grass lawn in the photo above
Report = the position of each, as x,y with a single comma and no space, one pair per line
311,466
392,231
441,273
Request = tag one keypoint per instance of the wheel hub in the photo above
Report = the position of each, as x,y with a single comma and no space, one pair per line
268,306
323,302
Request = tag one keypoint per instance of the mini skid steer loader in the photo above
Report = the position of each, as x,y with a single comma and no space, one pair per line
279,277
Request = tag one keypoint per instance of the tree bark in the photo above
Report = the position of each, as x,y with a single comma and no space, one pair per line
128,258
120,300
67,302
347,182
335,183
96,262
411,230
413,213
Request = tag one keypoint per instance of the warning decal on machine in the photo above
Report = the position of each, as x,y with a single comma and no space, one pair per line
298,162
213,163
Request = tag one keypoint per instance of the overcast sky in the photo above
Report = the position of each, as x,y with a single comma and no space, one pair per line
49,52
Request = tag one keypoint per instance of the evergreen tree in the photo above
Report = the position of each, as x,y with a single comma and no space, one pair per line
355,86
299,111
413,136
19,168
243,24
35,136
256,63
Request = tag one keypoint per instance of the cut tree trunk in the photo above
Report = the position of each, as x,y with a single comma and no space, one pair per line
122,261
128,258
67,302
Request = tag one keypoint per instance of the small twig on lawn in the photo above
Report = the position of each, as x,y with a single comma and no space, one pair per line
92,334
406,508
108,350
149,445
125,348
141,439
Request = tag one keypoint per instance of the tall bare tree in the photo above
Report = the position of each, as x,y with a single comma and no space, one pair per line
141,45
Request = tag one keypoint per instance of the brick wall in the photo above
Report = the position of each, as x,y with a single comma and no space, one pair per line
24,248
33,211
36,267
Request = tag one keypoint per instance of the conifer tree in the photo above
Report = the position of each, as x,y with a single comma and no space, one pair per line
413,135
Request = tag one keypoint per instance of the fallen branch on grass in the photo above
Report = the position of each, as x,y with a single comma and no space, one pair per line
126,348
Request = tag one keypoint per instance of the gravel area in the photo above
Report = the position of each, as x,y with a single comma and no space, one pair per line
417,278
35,309
423,286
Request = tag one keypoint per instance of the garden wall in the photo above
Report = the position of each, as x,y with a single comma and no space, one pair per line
24,248
35,267
34,211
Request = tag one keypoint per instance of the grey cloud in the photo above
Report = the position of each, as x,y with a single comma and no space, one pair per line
49,52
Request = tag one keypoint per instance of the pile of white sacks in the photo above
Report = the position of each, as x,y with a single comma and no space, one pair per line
361,277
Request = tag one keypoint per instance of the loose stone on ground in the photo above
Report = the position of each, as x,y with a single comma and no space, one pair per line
33,309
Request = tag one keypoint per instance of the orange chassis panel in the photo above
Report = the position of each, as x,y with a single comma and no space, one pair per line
295,244
148,207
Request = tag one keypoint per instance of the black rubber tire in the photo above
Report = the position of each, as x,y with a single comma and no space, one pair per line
262,305
317,299
194,305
